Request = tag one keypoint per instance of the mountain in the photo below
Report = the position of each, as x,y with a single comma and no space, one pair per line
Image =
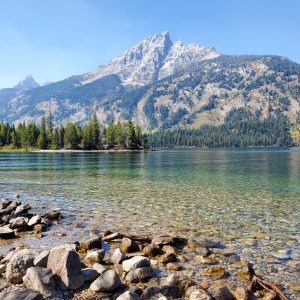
162,84
27,84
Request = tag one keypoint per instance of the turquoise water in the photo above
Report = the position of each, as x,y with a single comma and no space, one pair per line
228,195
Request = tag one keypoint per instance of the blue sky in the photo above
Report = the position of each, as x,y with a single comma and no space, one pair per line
54,39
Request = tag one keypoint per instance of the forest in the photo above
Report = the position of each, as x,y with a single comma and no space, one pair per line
91,136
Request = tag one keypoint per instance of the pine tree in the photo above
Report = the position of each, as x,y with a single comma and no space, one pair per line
71,136
43,138
110,135
95,130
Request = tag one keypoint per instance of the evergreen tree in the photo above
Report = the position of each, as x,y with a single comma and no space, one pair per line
110,135
71,136
43,138
95,130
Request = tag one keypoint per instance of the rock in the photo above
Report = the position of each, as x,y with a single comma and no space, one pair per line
270,296
233,259
129,246
295,286
19,263
38,228
64,262
135,262
4,203
34,220
24,294
128,295
182,281
210,244
169,249
217,271
173,267
41,280
99,268
19,223
167,258
41,260
200,294
242,294
2,269
89,274
17,196
6,233
10,208
282,256
52,215
155,292
246,273
163,240
205,259
95,256
117,257
139,275
8,257
23,208
91,243
224,293
152,250
45,221
107,282
119,269
135,289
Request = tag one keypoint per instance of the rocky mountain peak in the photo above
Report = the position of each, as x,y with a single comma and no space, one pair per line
27,83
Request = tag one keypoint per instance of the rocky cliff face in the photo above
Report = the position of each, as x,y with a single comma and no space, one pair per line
161,84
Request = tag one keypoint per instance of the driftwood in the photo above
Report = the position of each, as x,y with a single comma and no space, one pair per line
270,287
118,235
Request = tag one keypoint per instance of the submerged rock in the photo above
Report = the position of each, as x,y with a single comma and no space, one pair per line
216,271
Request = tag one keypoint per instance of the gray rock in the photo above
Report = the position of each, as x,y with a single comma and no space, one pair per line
200,295
41,260
6,233
99,268
64,263
168,240
34,220
19,263
91,243
8,257
25,294
4,203
107,282
23,208
95,256
128,295
135,262
152,250
117,257
41,280
129,246
180,280
89,274
224,293
2,268
282,256
139,275
19,223
168,291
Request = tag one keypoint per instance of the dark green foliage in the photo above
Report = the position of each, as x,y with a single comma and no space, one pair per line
241,129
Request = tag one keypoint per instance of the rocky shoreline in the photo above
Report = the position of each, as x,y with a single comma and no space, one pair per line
114,265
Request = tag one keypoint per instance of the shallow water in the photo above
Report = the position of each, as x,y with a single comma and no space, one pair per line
230,195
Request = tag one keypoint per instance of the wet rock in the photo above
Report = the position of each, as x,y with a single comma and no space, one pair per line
6,233
95,256
155,292
23,208
107,282
173,267
161,240
64,262
206,259
246,273
241,294
19,263
89,274
24,294
99,268
91,243
34,220
135,262
19,223
167,258
180,280
41,280
45,221
139,275
52,215
4,203
128,295
169,249
129,246
117,257
216,271
41,260
152,250
39,228
224,293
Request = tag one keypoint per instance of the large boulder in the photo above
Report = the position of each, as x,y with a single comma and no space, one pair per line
18,264
41,280
24,294
64,263
107,282
135,262
139,275
128,246
6,233
155,292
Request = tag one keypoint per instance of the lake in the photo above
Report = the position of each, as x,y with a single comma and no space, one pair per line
248,198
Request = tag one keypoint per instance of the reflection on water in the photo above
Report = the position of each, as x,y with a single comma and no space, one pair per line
228,194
